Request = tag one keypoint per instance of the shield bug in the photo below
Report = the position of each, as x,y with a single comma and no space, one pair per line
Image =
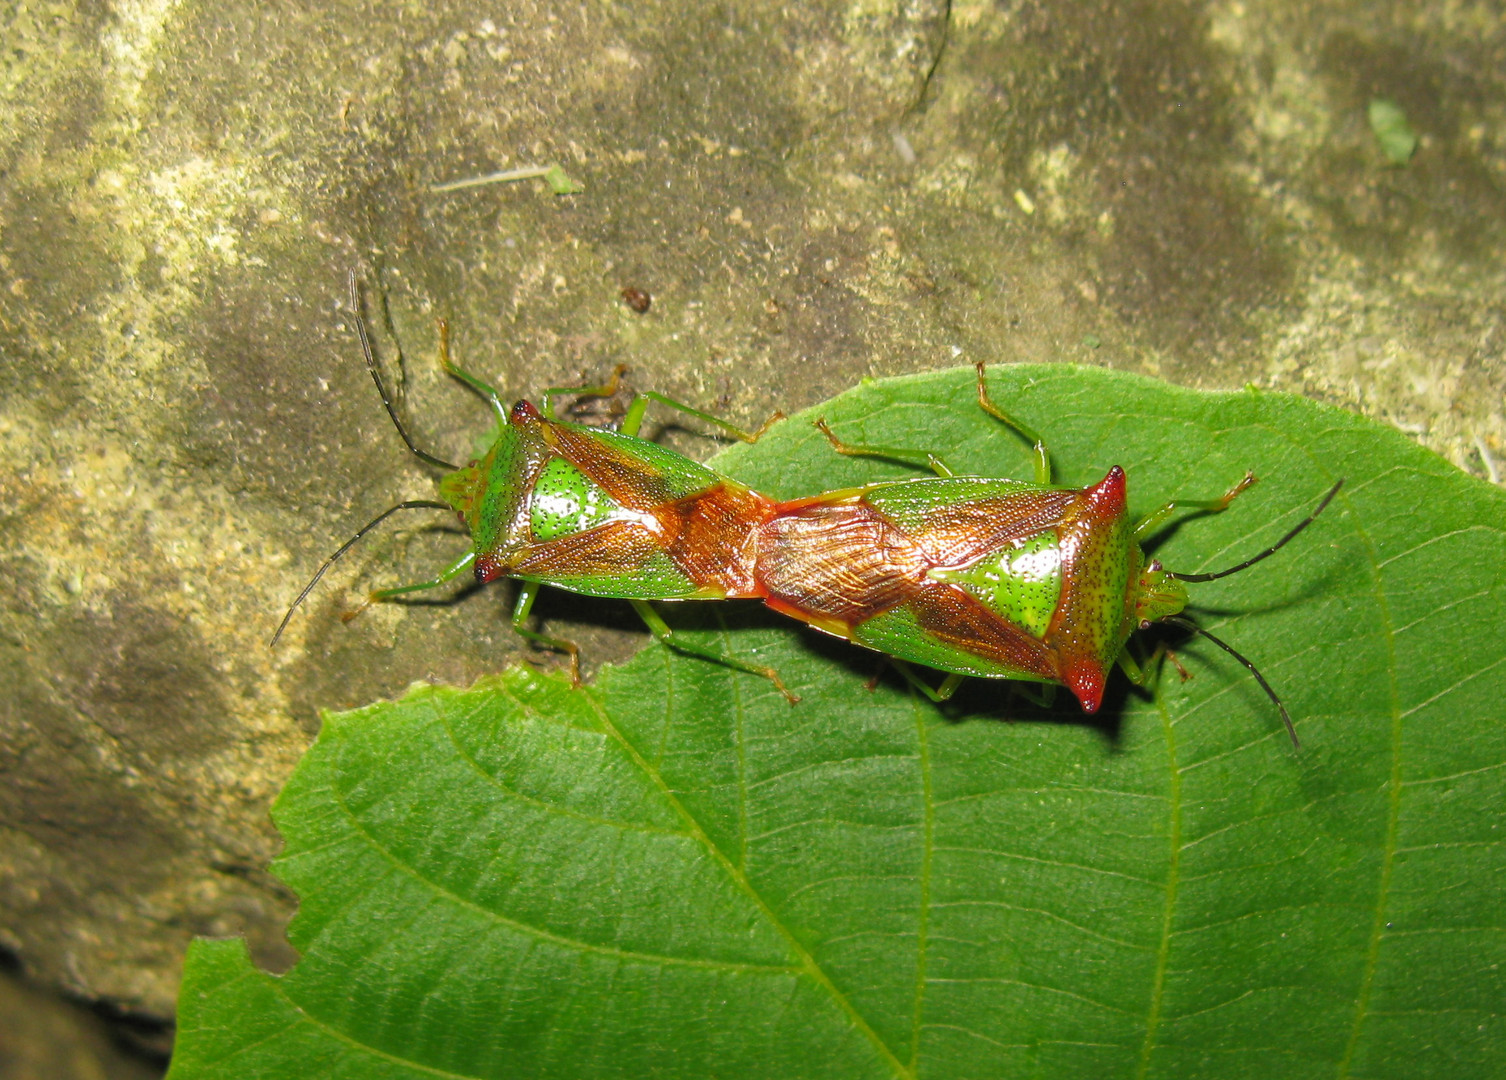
985,577
593,511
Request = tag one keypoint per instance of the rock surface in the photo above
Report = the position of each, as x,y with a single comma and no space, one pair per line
809,193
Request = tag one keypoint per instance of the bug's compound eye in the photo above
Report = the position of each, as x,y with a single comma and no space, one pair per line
1155,564
1144,624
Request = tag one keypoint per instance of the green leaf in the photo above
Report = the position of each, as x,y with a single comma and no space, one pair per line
559,183
1388,123
674,873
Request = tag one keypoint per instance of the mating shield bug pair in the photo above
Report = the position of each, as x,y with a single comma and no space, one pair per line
974,576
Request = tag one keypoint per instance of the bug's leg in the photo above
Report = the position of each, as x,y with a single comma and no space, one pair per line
598,390
528,591
1141,674
634,418
1042,455
1041,695
661,630
1146,673
1203,506
485,389
449,573
897,453
941,693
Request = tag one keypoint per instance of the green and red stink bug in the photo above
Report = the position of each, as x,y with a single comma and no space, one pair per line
976,576
593,511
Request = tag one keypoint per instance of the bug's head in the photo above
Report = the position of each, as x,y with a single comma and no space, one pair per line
463,489
486,493
1159,594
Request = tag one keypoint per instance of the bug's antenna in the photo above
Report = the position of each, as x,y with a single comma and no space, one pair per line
1268,552
376,377
1188,624
416,504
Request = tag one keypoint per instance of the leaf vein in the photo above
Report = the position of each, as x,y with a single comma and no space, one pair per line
1393,812
1048,914
550,808
1454,686
1168,910
923,737
539,932
807,960
1017,856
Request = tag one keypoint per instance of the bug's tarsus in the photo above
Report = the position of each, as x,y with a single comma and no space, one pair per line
414,504
381,385
774,418
1188,624
1268,552
1234,492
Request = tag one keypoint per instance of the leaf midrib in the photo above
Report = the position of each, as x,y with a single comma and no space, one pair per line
632,955
1393,806
923,736
808,961
1168,911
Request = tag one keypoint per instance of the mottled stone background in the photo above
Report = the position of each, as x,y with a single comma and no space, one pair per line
811,193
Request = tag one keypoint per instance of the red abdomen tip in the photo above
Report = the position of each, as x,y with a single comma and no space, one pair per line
1086,679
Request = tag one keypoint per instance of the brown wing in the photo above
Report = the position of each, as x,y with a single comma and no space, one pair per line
627,479
961,533
836,563
616,549
713,536
954,617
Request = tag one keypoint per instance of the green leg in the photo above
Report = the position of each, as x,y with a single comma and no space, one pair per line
632,421
895,453
601,390
481,387
940,694
1041,695
634,418
1141,675
1042,455
1146,674
449,573
528,591
1207,506
661,630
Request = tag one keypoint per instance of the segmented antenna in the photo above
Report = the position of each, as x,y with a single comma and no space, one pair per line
1188,624
416,504
376,377
1268,552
